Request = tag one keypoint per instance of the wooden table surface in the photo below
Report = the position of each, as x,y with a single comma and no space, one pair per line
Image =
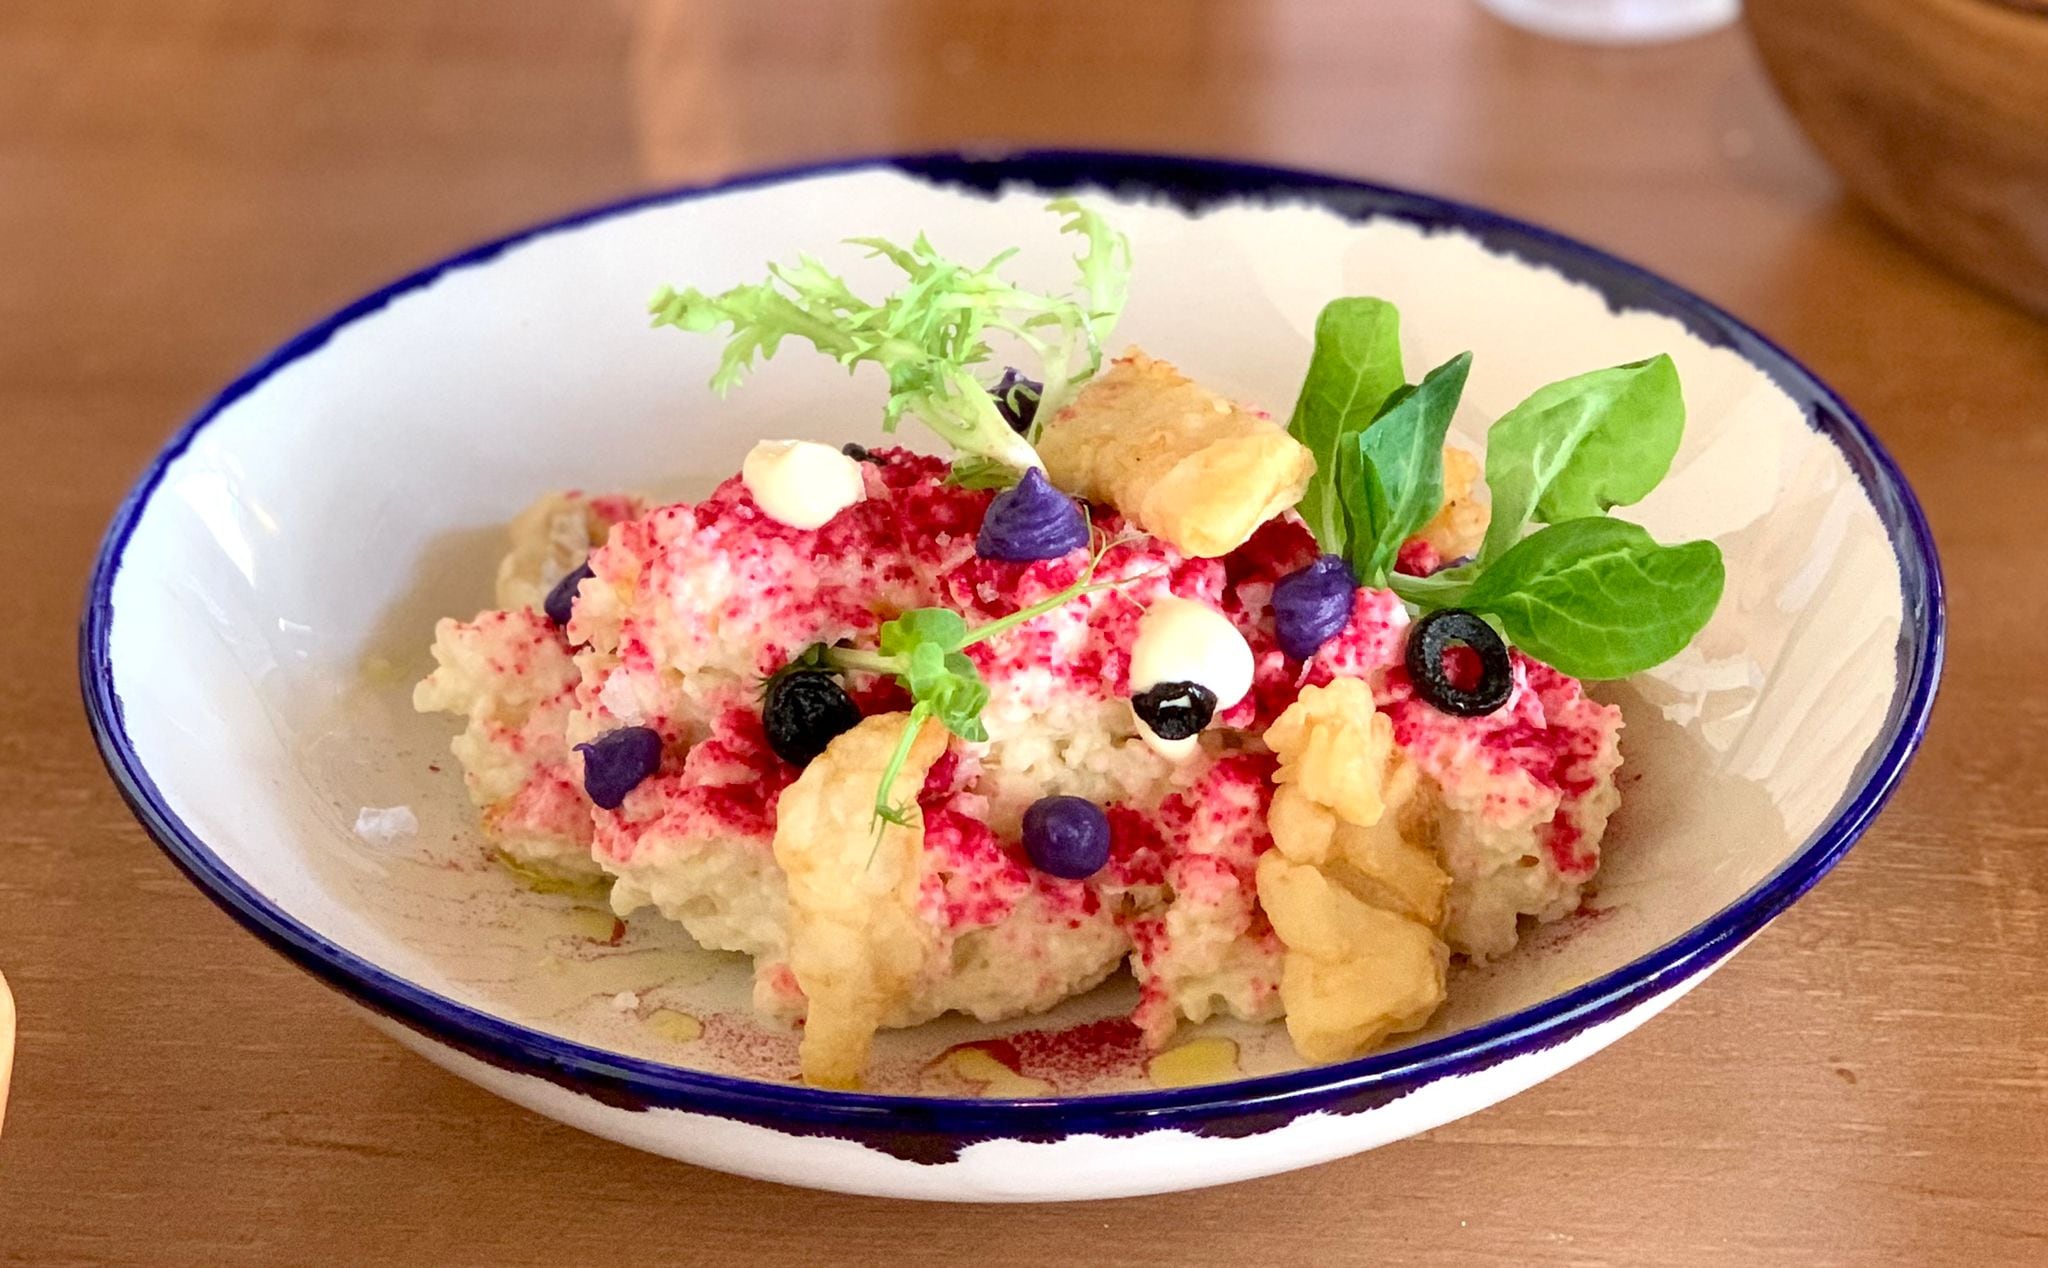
182,182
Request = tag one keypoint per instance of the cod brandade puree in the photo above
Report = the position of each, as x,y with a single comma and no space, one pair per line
870,718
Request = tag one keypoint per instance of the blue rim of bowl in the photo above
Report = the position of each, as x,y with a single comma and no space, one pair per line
1238,1107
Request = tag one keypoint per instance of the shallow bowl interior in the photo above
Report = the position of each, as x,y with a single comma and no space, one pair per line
266,599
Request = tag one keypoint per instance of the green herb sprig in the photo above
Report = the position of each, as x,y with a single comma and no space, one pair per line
1590,596
929,336
924,650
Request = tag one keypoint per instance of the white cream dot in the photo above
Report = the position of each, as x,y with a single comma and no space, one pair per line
801,483
1181,640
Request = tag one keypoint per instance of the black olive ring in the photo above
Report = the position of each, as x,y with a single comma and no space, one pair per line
1434,635
1175,710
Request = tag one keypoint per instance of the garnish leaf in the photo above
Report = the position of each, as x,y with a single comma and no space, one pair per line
923,649
1404,448
1105,267
928,336
1578,447
1363,502
975,472
1356,366
1598,598
942,628
1593,597
885,810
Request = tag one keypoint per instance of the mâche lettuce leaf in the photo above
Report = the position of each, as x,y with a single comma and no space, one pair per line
1591,596
1405,447
1356,367
1582,447
1595,597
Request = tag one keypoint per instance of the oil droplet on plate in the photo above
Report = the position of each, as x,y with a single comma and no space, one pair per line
676,1027
591,924
1196,1061
985,1075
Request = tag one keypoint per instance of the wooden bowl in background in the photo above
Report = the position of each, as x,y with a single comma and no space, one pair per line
1935,113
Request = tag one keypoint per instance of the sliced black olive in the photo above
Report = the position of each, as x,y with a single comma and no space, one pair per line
1436,634
805,710
1175,710
859,453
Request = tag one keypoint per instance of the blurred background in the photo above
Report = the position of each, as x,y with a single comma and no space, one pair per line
292,152
184,182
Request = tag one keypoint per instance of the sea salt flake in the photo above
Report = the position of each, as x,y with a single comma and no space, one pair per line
386,826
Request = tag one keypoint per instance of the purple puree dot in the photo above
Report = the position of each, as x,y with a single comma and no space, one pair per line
1031,520
614,763
561,601
1066,837
1017,400
1312,605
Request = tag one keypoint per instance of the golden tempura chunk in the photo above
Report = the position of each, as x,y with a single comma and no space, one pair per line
1179,461
1335,747
856,943
1353,974
1356,903
1460,523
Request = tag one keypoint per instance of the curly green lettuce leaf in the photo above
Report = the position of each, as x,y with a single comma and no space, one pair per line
1105,264
929,335
978,472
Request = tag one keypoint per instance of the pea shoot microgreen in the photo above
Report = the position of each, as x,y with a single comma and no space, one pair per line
925,651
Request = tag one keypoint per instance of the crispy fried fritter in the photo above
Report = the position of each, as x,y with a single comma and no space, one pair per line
1355,902
1179,461
856,942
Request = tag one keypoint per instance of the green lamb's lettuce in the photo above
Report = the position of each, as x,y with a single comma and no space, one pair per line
1582,447
1598,595
1590,596
929,336
1404,450
1356,367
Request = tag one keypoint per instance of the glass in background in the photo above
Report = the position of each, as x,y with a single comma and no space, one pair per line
1616,21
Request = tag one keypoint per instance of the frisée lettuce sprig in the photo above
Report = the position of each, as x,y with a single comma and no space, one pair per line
1589,595
930,336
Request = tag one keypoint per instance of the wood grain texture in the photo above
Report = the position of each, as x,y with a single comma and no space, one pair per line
1933,112
6,1046
182,182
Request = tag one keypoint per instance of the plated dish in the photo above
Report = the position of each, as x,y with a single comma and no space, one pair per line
256,630
1281,715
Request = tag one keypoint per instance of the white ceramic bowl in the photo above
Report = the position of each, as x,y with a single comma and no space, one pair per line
264,599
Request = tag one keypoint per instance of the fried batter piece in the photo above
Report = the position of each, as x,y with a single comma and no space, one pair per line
1179,461
1460,524
1357,903
856,942
551,537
